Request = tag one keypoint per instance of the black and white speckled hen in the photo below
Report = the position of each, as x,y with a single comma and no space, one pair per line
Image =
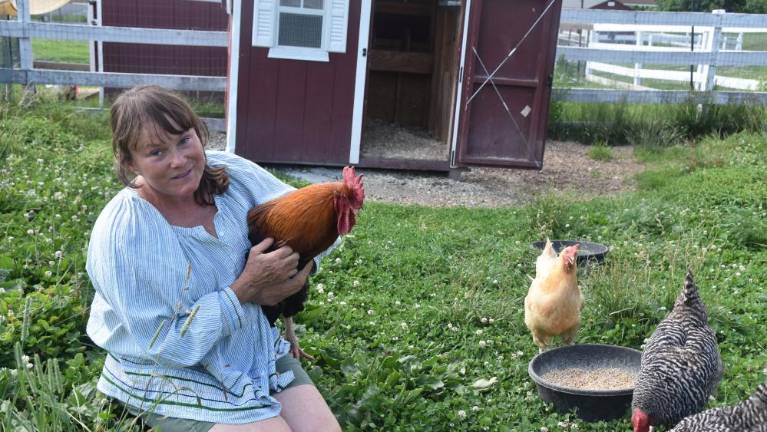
681,365
747,416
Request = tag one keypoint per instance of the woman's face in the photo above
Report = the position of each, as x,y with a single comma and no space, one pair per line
170,166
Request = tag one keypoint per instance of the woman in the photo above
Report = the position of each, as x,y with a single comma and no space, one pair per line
177,302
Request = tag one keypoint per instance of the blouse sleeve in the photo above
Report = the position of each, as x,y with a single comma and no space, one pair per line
139,269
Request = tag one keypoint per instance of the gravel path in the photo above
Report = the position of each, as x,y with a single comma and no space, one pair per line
566,169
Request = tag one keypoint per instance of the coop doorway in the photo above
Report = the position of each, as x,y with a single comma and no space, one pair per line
412,70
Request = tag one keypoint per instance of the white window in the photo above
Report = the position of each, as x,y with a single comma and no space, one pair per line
300,29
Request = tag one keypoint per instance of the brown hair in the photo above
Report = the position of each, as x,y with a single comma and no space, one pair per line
144,105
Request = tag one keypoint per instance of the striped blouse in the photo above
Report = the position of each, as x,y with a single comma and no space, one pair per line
179,342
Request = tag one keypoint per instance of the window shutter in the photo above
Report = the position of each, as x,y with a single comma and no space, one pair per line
339,16
264,17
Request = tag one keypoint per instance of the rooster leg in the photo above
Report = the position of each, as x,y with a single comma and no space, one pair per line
290,335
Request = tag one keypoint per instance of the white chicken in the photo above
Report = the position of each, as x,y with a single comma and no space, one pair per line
554,300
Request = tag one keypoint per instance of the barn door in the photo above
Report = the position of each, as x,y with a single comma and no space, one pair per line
508,61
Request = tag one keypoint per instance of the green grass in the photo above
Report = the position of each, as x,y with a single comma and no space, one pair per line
600,152
660,125
420,306
61,51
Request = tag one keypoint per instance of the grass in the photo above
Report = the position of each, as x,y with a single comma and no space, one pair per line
61,51
600,152
416,321
653,125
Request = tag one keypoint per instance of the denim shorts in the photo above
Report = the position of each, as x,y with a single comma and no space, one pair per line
171,424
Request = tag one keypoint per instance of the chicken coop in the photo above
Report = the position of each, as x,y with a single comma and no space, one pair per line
400,84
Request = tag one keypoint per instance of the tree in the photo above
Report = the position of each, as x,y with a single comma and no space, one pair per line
744,6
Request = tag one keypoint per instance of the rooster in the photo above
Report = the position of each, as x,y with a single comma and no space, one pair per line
554,300
680,367
309,220
747,416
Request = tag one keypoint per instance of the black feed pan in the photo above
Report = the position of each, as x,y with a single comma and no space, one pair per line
587,251
590,405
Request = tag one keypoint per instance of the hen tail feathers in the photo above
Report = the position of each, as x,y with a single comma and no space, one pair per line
689,295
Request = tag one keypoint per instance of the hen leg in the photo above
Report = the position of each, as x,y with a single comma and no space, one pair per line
541,340
290,335
568,337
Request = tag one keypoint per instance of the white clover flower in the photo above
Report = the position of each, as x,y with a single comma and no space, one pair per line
338,260
544,429
482,344
478,332
397,303
490,320
48,273
356,283
320,288
462,414
475,408
370,312
51,263
403,325
483,320
30,232
58,254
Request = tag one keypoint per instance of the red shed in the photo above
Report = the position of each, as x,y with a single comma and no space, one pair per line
164,59
418,84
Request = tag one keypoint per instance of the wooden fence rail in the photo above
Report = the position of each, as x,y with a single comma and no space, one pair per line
25,29
705,57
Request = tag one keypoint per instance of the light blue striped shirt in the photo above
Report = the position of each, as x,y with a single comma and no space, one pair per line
179,342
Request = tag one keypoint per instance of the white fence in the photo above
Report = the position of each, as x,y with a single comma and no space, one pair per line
596,55
636,37
25,29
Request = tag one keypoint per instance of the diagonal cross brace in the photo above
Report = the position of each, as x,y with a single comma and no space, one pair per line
513,50
503,102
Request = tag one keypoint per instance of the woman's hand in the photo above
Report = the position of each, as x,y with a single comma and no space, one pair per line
270,277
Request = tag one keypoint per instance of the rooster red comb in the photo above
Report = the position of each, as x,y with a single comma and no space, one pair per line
354,183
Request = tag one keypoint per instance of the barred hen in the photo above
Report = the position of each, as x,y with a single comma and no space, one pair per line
747,416
681,365
309,220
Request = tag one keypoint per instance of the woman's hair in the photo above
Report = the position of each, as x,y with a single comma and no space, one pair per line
144,106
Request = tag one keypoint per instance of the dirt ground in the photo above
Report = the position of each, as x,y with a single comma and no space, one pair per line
566,169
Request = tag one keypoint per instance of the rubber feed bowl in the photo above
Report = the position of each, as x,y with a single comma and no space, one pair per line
587,251
589,405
